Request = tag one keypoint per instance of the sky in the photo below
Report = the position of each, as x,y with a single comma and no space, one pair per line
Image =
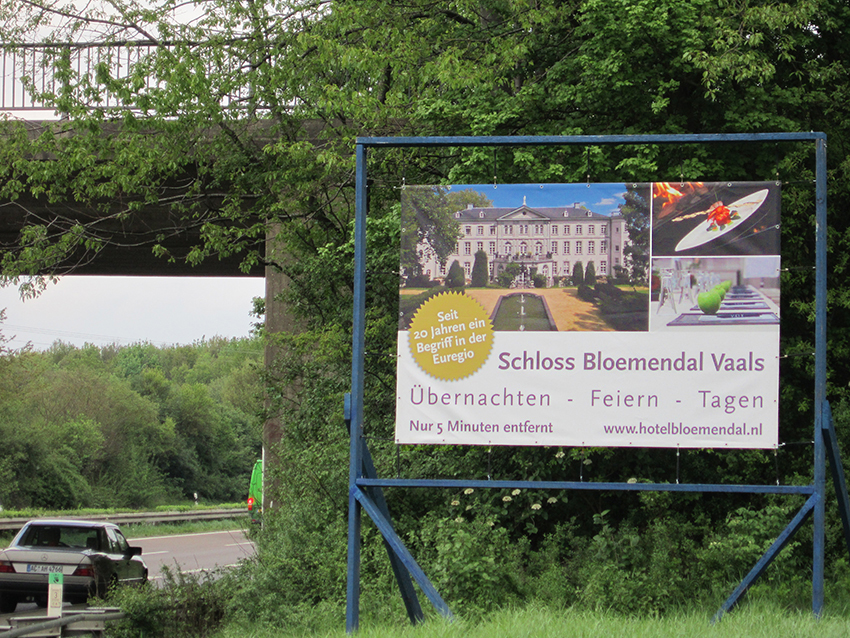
599,198
126,310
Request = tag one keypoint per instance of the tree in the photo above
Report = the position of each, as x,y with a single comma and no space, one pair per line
590,275
635,211
578,274
480,271
506,277
455,278
428,223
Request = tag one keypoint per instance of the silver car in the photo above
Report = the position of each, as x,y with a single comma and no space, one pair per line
91,556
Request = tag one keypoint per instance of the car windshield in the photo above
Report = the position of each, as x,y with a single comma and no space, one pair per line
61,536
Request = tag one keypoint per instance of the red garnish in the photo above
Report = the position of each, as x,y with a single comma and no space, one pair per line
720,216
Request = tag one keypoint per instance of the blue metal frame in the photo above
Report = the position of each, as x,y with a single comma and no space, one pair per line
365,488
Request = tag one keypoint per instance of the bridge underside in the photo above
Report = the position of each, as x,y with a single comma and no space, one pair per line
127,242
127,250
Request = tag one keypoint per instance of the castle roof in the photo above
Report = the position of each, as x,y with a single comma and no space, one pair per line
526,213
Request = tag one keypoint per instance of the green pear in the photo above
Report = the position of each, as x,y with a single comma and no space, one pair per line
709,302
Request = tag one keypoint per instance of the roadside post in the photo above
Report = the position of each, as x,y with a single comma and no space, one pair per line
54,595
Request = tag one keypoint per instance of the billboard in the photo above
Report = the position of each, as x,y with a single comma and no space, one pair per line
594,315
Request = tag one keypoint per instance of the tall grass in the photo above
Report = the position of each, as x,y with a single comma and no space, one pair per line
756,620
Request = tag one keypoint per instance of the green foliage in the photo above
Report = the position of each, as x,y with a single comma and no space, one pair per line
410,303
184,604
585,293
578,274
622,309
590,275
469,561
455,278
480,271
129,427
505,278
430,223
635,211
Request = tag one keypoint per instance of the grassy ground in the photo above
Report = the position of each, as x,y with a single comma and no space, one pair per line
169,529
753,621
144,530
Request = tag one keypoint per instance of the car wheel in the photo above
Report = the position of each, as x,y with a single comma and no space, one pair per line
8,604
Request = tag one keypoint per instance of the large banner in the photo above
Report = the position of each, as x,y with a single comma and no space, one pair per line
590,315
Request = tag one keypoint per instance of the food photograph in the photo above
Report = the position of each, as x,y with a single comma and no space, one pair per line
706,219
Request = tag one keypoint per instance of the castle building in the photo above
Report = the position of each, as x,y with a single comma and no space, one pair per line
550,240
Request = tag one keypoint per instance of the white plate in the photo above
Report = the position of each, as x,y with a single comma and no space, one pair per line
700,235
41,568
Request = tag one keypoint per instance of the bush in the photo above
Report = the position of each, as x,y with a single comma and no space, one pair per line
585,293
420,280
184,605
455,277
408,304
578,274
590,275
480,271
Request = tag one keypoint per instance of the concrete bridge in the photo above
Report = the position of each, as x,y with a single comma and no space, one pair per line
30,69
127,249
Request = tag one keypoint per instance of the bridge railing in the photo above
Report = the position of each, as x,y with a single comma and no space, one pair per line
36,77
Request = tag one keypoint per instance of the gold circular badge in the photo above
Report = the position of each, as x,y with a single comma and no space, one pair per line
450,336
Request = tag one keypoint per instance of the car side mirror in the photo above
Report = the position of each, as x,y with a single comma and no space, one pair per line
134,551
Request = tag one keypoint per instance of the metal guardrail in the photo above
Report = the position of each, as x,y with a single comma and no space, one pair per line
89,621
128,518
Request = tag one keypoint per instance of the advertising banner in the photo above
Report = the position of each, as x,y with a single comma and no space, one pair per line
597,315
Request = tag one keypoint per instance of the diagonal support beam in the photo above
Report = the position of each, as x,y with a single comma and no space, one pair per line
762,564
402,576
386,529
834,454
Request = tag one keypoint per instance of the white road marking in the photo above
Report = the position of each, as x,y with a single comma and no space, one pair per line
156,538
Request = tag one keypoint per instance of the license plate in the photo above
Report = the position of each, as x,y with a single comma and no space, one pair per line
43,569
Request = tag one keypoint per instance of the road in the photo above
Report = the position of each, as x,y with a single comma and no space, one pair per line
194,553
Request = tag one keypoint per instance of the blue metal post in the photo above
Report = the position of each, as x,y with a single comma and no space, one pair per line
820,376
384,525
838,479
773,551
376,494
355,469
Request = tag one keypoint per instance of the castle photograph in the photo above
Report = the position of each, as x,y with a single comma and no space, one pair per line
556,247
